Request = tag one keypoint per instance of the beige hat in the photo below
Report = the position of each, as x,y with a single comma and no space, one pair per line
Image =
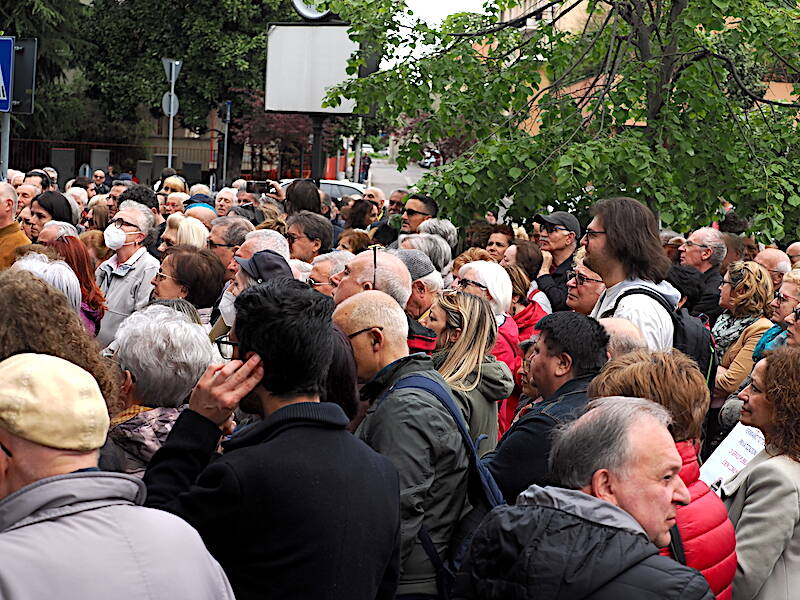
52,402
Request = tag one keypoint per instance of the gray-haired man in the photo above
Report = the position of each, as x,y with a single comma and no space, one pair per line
596,536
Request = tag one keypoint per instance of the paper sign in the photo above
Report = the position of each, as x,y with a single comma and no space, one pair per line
732,455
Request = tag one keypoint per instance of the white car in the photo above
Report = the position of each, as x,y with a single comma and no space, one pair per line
335,188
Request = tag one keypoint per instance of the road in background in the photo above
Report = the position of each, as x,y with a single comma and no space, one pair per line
386,176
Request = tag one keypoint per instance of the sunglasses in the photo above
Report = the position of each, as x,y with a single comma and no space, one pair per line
463,283
119,222
412,213
211,245
293,237
581,279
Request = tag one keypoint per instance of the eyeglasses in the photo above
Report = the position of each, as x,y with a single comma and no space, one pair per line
374,249
411,212
314,283
463,283
689,244
226,346
592,233
780,297
726,282
211,245
119,222
24,221
6,451
293,237
550,227
581,279
370,195
366,329
161,276
169,189
796,313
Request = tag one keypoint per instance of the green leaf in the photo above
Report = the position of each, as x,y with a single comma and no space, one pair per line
469,179
514,172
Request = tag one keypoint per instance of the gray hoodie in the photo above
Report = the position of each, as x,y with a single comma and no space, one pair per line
86,536
651,318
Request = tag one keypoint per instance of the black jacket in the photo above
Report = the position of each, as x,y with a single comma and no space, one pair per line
561,544
555,285
296,507
520,459
709,300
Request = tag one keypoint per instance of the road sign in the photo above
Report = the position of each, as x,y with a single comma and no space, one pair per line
24,86
171,61
170,109
6,72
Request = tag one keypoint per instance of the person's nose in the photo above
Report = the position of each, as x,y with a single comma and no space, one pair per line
681,494
336,279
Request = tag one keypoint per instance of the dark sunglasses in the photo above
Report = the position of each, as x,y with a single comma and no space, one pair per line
211,245
581,279
411,212
462,283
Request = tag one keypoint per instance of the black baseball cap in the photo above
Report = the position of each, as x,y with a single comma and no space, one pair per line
564,219
265,265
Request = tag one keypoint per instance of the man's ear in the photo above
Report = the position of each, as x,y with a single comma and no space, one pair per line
564,365
602,486
317,245
127,383
418,288
378,340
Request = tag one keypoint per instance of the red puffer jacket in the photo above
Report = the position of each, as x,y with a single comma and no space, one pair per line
527,318
506,349
709,541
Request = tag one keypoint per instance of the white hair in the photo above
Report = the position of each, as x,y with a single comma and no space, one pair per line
435,247
713,239
144,217
337,258
496,280
165,353
269,239
64,229
199,188
300,269
78,194
433,282
192,232
229,190
441,227
57,273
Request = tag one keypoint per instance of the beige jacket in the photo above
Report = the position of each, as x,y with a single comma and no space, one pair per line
763,503
738,360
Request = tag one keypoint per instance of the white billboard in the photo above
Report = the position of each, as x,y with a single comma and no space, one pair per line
303,62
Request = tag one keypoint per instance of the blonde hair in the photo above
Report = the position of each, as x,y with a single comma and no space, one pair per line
191,232
475,318
579,256
670,379
176,183
792,277
751,288
470,255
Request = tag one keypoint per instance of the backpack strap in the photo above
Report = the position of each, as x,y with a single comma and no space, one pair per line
676,545
494,496
643,291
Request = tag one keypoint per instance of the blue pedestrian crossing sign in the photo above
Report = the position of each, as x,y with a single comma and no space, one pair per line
6,74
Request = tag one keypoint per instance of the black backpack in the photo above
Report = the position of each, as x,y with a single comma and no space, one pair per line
690,334
482,491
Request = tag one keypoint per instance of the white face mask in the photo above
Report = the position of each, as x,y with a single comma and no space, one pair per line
114,237
226,308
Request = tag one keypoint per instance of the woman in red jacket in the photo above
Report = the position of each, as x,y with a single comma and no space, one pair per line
489,280
705,535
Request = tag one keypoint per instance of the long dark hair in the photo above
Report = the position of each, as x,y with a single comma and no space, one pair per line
632,238
359,213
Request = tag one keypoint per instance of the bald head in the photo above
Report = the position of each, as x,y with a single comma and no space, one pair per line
625,336
391,277
776,262
373,309
374,194
202,213
793,252
8,204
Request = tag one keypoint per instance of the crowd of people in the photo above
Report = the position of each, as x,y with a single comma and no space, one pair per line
287,395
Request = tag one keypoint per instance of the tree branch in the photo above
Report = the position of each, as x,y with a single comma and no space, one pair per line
737,78
516,22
